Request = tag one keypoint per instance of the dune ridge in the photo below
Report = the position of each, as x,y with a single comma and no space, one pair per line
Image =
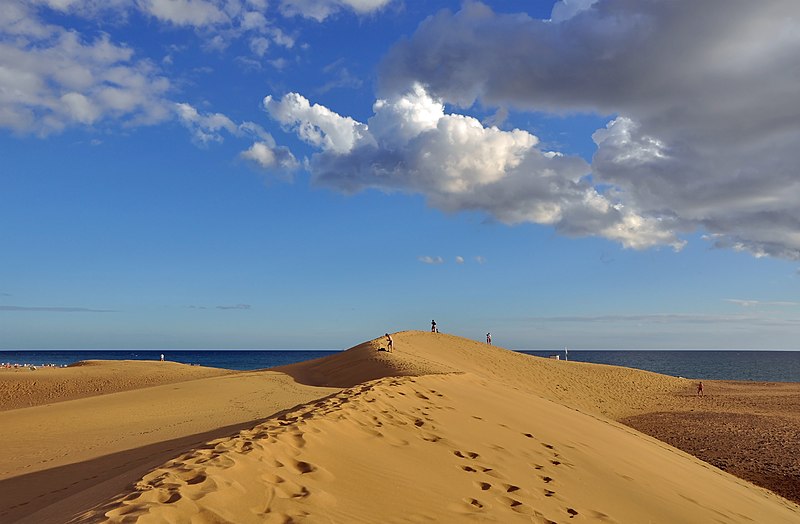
449,430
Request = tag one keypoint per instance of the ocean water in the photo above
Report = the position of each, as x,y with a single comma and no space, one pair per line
760,366
766,366
241,360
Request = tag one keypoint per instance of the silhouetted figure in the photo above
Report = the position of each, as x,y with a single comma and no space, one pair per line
489,338
389,343
433,327
700,389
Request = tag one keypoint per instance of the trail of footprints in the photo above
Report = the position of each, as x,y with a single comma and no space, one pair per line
287,476
509,495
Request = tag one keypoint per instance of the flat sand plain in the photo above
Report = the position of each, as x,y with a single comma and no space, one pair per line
749,429
443,429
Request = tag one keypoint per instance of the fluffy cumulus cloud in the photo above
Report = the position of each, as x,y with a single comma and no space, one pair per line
705,98
411,144
52,78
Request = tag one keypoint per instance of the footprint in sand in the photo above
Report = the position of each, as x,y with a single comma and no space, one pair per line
514,504
291,490
302,467
196,479
483,486
468,505
466,454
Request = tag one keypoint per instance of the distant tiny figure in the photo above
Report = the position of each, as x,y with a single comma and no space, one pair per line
489,338
389,343
433,326
700,389
162,357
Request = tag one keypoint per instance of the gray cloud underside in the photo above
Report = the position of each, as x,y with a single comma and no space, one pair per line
707,94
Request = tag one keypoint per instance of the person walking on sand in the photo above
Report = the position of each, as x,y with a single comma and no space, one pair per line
389,343
489,338
433,326
700,389
162,357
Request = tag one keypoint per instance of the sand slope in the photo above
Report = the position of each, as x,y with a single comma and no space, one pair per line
491,436
58,458
22,387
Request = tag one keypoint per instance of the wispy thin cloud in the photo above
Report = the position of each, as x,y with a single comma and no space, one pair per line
480,260
49,309
236,306
670,318
430,260
459,260
752,303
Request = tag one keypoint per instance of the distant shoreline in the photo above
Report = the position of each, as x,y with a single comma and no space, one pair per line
750,365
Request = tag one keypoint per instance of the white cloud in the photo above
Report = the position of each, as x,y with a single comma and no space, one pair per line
321,9
316,124
566,9
703,133
253,20
431,260
195,13
459,260
212,127
411,144
205,128
268,156
259,45
752,303
52,78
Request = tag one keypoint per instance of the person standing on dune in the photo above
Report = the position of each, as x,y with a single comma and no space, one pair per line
389,343
433,326
489,338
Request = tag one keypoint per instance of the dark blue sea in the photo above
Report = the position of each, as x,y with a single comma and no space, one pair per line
767,366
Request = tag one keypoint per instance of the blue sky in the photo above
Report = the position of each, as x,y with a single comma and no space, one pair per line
313,173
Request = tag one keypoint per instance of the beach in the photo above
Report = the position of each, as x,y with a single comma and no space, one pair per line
442,429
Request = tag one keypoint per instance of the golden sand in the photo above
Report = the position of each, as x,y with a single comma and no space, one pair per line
441,430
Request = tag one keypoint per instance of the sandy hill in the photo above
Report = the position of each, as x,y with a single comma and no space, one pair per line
448,430
609,390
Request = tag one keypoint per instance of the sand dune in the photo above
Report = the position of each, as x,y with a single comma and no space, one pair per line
22,387
60,457
609,390
454,431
